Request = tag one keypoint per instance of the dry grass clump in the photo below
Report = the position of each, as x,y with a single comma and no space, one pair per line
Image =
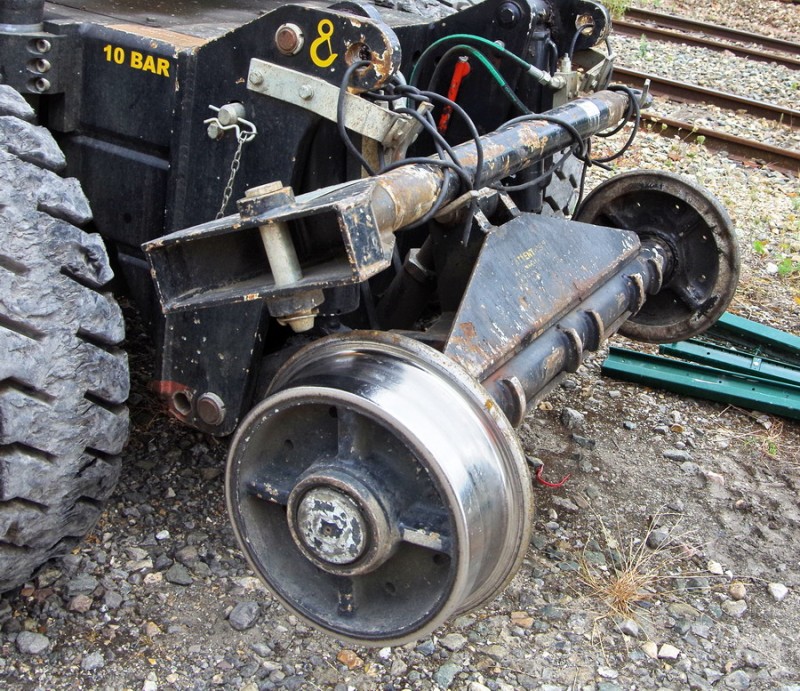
767,435
640,571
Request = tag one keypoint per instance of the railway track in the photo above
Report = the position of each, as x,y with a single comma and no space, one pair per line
662,27
675,29
722,33
777,158
691,93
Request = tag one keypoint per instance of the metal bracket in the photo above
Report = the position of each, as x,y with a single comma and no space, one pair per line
392,130
37,62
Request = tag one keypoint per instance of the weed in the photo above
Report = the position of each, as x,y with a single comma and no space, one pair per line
644,46
760,247
769,438
617,8
788,267
638,573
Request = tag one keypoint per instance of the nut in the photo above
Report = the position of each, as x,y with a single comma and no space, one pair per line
289,39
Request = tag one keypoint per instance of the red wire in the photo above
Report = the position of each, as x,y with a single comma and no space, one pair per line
461,70
561,483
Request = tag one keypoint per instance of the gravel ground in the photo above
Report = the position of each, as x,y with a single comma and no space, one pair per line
703,67
779,18
697,500
758,80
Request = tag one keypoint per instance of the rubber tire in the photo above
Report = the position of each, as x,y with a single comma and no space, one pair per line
560,197
63,378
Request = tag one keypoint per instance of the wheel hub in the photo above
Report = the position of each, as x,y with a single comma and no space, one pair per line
699,239
330,526
339,520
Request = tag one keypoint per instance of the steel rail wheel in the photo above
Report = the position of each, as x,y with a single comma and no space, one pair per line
378,490
694,228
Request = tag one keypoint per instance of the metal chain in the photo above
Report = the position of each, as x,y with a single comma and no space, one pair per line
243,138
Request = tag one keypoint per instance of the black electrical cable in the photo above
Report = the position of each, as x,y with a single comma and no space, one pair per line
440,142
637,111
577,35
481,59
553,50
340,115
629,112
468,218
448,166
473,130
578,149
536,181
584,170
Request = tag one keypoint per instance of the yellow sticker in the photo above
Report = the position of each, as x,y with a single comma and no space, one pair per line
137,60
325,31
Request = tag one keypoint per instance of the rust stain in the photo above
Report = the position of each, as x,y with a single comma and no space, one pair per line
552,363
166,390
468,329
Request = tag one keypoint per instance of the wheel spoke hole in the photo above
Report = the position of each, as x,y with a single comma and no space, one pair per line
441,559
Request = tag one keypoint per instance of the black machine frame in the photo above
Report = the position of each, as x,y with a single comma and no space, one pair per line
359,238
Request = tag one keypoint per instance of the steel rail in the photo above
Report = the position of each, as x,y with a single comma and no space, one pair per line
785,160
724,33
627,28
690,93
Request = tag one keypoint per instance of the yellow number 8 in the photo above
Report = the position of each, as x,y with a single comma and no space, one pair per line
325,31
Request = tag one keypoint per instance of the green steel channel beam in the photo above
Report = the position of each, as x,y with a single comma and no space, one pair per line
703,382
761,339
731,361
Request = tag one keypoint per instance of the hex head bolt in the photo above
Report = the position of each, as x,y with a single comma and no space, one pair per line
297,311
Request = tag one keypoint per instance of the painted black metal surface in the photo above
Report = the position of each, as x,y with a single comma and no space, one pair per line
132,82
530,272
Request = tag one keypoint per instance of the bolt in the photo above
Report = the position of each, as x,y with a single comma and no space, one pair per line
306,92
300,312
41,85
508,14
268,188
289,39
42,45
210,409
256,78
41,65
214,131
